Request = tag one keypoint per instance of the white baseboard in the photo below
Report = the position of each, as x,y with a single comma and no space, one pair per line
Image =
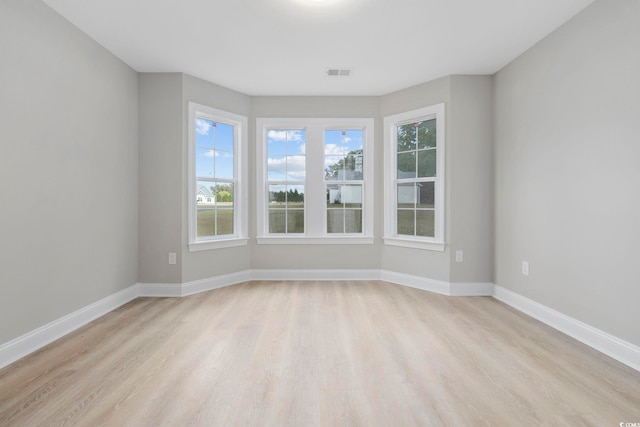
436,286
334,274
471,289
217,282
160,289
608,344
38,338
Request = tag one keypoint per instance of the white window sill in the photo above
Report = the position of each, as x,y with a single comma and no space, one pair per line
415,244
304,240
217,244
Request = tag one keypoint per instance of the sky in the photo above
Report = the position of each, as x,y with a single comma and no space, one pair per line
286,151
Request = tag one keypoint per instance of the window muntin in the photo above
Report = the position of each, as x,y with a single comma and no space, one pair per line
414,188
217,197
286,170
215,177
344,160
416,150
333,192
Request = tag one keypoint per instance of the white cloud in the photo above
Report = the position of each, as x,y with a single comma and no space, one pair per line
203,126
293,167
282,135
333,149
210,154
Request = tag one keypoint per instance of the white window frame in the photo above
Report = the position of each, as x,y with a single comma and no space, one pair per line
240,189
315,191
391,236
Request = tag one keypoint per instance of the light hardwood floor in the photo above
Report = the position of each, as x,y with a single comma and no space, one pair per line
317,354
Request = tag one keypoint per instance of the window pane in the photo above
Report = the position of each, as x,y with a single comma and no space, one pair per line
296,140
277,196
204,162
335,220
426,194
224,195
333,142
351,196
224,137
406,222
406,194
295,221
427,134
223,164
205,193
205,221
277,168
334,197
204,133
353,167
277,220
334,168
407,165
296,168
295,196
276,142
353,141
406,137
425,221
427,163
224,219
353,221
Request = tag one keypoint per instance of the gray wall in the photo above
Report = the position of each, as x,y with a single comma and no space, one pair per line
68,169
567,144
470,178
164,142
163,181
160,169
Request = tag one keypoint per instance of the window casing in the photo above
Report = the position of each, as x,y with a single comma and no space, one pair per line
314,180
217,178
414,178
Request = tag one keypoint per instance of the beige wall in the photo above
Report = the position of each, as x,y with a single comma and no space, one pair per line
567,174
68,169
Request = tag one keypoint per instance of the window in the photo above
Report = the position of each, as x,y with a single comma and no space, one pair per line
217,192
315,180
286,172
344,180
414,182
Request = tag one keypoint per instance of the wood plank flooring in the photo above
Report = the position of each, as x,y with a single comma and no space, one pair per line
317,354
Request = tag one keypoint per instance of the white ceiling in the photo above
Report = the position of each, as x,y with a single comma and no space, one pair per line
284,47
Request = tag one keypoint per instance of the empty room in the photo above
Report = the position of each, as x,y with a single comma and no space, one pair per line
319,213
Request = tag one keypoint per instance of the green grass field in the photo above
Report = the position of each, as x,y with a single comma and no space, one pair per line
207,219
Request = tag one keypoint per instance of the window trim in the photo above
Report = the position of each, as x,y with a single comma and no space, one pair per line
391,236
315,218
240,214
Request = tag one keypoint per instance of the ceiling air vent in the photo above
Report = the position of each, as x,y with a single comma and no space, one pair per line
338,72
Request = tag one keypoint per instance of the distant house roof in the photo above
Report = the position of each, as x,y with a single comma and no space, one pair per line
204,191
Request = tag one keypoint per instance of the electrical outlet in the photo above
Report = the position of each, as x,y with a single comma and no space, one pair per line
525,268
172,257
459,256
